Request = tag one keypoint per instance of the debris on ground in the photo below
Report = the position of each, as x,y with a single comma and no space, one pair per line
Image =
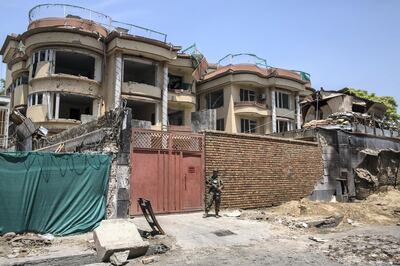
317,239
119,258
381,208
20,245
369,248
115,235
235,213
157,249
148,260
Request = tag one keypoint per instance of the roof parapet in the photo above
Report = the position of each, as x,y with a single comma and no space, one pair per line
252,59
76,12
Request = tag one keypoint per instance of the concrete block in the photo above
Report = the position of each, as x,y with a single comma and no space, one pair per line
117,235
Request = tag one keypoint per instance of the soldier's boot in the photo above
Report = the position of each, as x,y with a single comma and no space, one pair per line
205,215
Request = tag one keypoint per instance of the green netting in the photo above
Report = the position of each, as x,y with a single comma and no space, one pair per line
58,193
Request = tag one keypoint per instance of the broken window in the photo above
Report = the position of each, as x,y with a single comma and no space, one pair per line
248,126
76,64
220,124
174,82
247,95
143,111
282,100
21,80
175,118
215,99
358,108
35,99
73,106
40,56
282,126
140,72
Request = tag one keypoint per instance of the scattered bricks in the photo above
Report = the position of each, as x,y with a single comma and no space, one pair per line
262,171
148,260
117,235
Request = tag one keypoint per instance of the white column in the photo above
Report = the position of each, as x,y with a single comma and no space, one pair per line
165,98
49,114
118,81
157,114
56,114
298,111
273,111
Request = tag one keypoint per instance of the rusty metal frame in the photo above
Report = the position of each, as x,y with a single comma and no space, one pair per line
145,206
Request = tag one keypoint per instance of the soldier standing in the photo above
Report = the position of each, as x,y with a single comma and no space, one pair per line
214,186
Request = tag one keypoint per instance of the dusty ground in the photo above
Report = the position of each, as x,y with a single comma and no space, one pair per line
295,233
378,209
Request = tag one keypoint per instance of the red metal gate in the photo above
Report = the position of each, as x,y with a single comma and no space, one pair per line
167,169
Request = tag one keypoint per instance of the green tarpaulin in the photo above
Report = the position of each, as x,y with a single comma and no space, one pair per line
57,193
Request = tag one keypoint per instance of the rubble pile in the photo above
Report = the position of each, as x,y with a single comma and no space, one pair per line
361,249
381,208
28,244
325,122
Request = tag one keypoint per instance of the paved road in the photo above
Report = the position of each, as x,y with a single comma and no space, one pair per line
252,243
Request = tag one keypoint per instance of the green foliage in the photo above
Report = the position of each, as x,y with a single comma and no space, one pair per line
389,101
2,87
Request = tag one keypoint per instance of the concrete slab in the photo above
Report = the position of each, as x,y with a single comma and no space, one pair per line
116,235
192,231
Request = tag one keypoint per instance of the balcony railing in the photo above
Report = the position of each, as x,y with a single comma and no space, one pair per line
248,58
182,88
259,104
304,75
232,59
67,11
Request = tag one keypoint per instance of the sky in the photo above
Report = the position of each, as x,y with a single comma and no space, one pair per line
340,43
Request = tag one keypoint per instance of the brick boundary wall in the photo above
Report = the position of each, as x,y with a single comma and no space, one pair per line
262,171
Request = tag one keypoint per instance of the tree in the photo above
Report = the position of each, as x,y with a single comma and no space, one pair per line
389,101
2,87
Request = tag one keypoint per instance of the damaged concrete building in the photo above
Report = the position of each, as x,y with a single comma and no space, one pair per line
88,83
252,97
322,104
360,146
64,71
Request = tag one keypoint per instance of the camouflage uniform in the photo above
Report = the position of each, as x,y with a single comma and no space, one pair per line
214,185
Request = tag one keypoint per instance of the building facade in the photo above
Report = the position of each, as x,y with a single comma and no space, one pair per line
71,69
67,69
253,98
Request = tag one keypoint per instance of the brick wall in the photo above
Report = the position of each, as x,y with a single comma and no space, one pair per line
260,171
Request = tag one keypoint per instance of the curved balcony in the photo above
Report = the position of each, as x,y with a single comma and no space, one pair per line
252,108
66,83
181,100
141,89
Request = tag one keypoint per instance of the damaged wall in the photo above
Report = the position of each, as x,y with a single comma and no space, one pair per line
260,171
110,134
342,154
377,171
